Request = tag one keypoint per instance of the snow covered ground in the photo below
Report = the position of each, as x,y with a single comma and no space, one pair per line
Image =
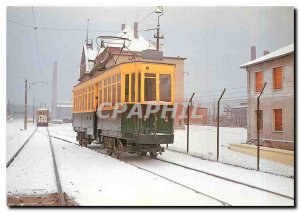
203,144
16,135
92,178
32,171
229,192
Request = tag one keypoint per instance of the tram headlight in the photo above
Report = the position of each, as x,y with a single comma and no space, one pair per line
166,119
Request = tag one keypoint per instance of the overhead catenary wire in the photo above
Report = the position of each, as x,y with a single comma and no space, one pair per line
146,16
60,28
36,43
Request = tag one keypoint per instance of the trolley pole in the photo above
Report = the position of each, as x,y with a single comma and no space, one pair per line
188,125
25,107
258,125
157,36
218,124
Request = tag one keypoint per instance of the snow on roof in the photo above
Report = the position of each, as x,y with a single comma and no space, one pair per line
90,56
275,54
64,105
42,109
240,106
134,44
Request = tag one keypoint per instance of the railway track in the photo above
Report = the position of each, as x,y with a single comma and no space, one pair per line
20,149
102,151
59,188
224,178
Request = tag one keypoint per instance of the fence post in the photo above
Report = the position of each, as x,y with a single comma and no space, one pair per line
188,125
218,123
258,126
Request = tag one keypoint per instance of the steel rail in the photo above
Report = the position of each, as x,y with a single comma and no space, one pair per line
225,178
200,171
19,150
166,178
58,183
187,187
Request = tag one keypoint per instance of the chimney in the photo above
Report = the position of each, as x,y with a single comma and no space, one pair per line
54,91
266,52
253,52
122,27
136,36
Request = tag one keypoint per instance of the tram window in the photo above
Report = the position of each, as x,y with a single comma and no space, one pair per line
119,77
133,87
109,94
105,94
150,75
100,96
119,92
113,79
126,87
84,101
150,87
92,105
113,94
139,88
165,87
89,101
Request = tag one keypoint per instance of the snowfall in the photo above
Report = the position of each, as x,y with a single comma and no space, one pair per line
95,179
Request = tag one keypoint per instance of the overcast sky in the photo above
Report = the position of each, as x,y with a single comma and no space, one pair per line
215,41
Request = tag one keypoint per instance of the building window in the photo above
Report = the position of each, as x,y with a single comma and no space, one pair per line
277,77
258,81
277,120
260,120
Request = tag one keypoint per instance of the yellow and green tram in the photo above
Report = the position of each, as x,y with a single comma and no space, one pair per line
124,86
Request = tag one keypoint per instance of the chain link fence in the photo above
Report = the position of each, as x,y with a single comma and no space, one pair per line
237,120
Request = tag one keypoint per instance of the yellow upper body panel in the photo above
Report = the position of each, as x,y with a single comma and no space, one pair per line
124,83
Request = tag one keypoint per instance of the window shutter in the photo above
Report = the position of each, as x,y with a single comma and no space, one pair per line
277,78
258,81
278,119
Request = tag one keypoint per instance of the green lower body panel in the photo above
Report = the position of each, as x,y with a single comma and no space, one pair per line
153,139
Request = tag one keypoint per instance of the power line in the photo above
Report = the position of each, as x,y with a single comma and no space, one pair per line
58,28
36,43
74,29
146,16
21,24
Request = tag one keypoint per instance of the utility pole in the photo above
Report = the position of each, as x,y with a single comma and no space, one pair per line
25,107
258,125
33,112
214,110
160,11
218,124
54,91
188,125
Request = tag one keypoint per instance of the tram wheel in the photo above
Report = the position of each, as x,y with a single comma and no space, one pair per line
143,153
153,155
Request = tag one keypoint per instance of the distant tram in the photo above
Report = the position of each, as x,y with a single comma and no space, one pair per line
42,117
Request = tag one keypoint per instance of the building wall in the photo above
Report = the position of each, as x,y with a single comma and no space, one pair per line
272,99
202,113
239,117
